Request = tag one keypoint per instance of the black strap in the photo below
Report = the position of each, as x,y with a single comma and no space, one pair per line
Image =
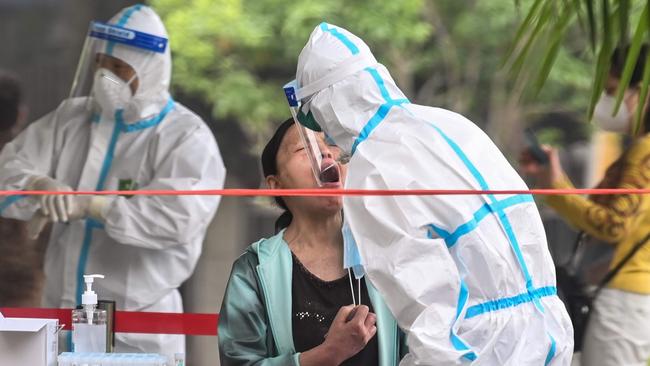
614,271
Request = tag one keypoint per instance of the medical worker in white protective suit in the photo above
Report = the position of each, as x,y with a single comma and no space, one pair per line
469,278
119,130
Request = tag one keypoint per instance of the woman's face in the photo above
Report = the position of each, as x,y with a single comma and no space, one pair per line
631,96
621,121
294,171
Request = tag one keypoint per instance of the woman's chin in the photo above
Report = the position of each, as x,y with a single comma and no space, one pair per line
329,205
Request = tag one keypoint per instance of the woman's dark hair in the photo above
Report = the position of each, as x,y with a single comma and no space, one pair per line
270,167
618,64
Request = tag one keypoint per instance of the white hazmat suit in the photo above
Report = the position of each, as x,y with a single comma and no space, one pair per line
146,246
469,278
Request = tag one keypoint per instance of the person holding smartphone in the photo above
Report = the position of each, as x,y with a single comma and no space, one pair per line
618,332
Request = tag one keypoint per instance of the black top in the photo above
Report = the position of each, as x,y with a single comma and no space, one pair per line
314,305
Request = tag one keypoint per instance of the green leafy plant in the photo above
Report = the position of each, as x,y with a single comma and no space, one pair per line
603,24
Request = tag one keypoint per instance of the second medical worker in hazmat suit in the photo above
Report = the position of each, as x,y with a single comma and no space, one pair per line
119,130
468,277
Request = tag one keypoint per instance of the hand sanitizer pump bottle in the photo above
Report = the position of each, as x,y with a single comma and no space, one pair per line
89,323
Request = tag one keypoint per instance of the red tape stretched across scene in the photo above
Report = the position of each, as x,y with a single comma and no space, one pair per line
132,321
237,192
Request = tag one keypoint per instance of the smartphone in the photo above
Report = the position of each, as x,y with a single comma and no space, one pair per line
535,149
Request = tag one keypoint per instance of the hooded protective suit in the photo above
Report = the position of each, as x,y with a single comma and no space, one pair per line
147,246
469,278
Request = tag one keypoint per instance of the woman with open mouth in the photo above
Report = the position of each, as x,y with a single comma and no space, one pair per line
288,300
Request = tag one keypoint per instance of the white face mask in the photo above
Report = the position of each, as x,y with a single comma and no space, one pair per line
603,115
110,91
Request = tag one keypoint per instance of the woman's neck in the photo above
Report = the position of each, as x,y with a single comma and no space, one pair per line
314,231
317,242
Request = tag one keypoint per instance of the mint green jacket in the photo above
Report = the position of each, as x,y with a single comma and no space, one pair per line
255,324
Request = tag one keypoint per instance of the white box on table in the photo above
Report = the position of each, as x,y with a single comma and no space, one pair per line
28,341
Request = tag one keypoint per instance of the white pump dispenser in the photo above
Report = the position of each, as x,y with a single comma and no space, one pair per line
89,323
89,297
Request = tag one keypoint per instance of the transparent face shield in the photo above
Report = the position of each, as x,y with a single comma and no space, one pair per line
110,62
322,169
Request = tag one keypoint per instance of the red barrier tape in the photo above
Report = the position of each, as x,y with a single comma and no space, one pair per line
337,192
133,321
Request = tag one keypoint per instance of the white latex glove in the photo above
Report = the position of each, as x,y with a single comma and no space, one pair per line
79,207
66,208
53,206
83,206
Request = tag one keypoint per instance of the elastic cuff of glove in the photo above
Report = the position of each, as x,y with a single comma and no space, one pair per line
98,208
